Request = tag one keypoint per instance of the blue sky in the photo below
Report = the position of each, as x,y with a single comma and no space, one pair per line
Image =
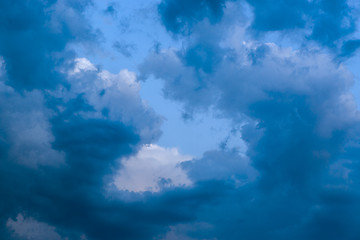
179,120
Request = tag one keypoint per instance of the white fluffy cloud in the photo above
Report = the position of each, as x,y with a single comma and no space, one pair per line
151,169
113,96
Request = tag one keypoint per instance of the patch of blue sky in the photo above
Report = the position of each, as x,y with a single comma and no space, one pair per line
132,24
136,25
204,131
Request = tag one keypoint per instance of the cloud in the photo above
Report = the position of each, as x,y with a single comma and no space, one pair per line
82,64
111,10
329,23
326,22
107,94
349,48
182,232
298,118
152,169
26,129
59,150
309,71
29,228
271,16
34,38
221,165
180,16
64,123
125,49
293,107
72,198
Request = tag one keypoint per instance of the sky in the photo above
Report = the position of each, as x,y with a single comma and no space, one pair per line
179,120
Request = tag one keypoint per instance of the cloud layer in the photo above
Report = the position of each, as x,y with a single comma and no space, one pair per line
298,114
78,159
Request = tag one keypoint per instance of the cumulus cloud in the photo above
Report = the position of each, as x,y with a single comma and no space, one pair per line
112,96
152,169
261,76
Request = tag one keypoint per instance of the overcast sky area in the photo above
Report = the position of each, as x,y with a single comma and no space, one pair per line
179,120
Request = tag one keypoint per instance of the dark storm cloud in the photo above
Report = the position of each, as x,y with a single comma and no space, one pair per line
33,37
180,16
74,197
68,199
328,21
